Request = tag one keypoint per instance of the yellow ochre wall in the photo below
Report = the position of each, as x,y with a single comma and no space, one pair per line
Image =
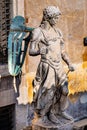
73,23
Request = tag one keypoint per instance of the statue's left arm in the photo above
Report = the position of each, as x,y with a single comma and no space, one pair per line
65,56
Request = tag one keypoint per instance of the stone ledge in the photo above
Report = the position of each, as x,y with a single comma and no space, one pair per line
80,123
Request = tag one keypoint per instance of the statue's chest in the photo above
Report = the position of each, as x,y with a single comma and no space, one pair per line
50,37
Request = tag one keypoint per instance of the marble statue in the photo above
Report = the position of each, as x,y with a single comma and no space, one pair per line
51,82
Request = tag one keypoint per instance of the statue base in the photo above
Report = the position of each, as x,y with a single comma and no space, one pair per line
48,125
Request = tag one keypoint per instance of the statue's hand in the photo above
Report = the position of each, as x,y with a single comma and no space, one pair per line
43,50
71,68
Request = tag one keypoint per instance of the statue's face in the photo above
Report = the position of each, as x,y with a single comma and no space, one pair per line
51,14
53,20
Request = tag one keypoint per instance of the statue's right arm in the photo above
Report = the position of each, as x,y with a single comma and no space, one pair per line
34,47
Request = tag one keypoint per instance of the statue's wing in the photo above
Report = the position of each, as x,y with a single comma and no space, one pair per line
16,47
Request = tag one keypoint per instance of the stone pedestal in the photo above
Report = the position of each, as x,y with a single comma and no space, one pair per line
68,127
40,125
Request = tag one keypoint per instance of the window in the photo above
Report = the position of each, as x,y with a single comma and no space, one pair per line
5,16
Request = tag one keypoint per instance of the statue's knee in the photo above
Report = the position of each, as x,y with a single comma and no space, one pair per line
64,89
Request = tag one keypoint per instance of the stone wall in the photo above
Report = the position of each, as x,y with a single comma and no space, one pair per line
7,94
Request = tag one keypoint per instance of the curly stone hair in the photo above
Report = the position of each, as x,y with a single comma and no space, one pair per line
50,12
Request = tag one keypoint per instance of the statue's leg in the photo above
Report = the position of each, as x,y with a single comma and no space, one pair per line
64,101
54,109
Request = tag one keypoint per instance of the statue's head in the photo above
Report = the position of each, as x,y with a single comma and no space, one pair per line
51,14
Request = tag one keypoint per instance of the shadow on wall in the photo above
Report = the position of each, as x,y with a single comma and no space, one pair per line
24,88
17,85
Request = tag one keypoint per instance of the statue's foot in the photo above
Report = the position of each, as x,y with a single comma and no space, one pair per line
66,116
54,119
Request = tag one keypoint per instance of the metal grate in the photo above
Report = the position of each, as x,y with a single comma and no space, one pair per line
7,117
5,16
